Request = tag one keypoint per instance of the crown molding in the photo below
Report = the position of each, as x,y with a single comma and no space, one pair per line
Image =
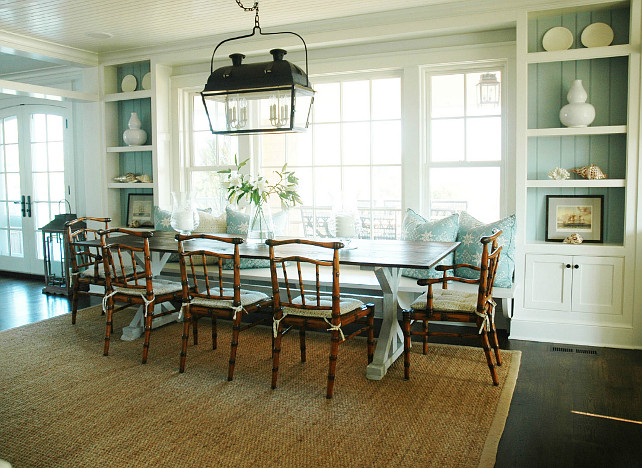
16,44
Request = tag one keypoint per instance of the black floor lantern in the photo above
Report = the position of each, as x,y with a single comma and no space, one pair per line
265,97
56,255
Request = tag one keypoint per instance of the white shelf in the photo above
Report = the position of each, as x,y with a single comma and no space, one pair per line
132,185
577,131
129,149
559,248
580,54
601,183
142,94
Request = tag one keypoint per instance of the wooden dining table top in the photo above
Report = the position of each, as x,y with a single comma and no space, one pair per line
361,252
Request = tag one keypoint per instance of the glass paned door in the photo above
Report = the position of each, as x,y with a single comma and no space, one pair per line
34,181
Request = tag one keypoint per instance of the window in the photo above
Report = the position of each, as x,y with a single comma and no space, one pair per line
464,144
209,154
348,160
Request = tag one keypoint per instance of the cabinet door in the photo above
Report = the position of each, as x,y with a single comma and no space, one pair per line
548,282
598,284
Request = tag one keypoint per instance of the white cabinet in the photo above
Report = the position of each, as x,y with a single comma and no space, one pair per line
581,284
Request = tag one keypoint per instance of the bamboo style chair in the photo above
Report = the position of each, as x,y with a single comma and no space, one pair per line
310,308
457,306
137,289
86,263
204,293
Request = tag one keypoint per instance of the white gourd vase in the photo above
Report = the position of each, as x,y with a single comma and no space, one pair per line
135,135
578,112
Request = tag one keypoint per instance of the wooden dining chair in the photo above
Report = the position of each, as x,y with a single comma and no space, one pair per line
123,286
447,305
204,293
304,305
86,263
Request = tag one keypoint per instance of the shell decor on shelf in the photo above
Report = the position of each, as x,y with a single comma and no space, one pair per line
559,174
144,178
126,178
574,239
591,172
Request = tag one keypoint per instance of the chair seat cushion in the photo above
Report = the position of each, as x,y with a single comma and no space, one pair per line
160,287
247,298
448,301
346,305
90,272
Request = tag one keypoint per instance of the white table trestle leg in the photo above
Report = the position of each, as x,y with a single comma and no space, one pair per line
136,327
390,341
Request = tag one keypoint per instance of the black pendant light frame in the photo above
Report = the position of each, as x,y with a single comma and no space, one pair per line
275,76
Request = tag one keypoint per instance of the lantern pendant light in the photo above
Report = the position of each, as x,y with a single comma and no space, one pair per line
265,97
489,89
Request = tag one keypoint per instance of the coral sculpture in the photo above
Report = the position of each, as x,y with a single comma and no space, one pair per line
559,174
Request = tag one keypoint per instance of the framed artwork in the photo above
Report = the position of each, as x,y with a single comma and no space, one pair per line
571,214
140,210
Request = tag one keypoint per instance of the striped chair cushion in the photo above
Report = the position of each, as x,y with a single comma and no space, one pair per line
448,301
247,298
345,305
160,287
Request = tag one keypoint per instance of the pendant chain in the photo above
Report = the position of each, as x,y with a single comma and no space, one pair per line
255,7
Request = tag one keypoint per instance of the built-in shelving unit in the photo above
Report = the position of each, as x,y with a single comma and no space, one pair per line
611,76
119,158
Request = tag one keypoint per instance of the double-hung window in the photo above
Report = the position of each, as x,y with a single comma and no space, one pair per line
464,142
350,157
207,154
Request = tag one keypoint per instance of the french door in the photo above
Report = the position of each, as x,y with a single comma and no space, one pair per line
36,174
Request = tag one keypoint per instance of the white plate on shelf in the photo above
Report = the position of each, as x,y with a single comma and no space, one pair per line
128,84
147,81
557,38
597,35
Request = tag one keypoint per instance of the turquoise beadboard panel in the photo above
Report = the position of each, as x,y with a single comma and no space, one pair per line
571,152
138,69
139,162
617,18
613,214
605,81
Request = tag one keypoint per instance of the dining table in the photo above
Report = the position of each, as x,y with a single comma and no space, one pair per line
387,258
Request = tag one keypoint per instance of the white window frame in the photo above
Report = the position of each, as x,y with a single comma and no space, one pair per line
428,164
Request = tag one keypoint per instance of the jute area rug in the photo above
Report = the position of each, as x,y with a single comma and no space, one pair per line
64,404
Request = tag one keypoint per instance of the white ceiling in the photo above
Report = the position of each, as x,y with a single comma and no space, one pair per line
147,23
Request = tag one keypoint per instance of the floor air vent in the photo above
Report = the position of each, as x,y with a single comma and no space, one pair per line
560,349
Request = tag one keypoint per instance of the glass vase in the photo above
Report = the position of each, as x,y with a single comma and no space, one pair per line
184,214
261,225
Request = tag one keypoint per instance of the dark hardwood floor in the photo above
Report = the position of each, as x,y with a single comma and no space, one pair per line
541,430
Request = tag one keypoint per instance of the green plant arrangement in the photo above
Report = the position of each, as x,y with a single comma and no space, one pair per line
256,191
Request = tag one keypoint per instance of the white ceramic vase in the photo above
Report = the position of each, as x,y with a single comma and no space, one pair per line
135,135
578,112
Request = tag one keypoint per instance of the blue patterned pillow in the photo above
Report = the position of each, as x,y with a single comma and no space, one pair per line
470,250
417,228
239,222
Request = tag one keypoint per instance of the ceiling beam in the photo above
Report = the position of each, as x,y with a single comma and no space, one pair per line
45,92
16,44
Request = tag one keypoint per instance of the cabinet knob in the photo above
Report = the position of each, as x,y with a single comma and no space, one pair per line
576,266
568,265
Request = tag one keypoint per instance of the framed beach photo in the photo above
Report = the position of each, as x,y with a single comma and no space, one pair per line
140,210
574,214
